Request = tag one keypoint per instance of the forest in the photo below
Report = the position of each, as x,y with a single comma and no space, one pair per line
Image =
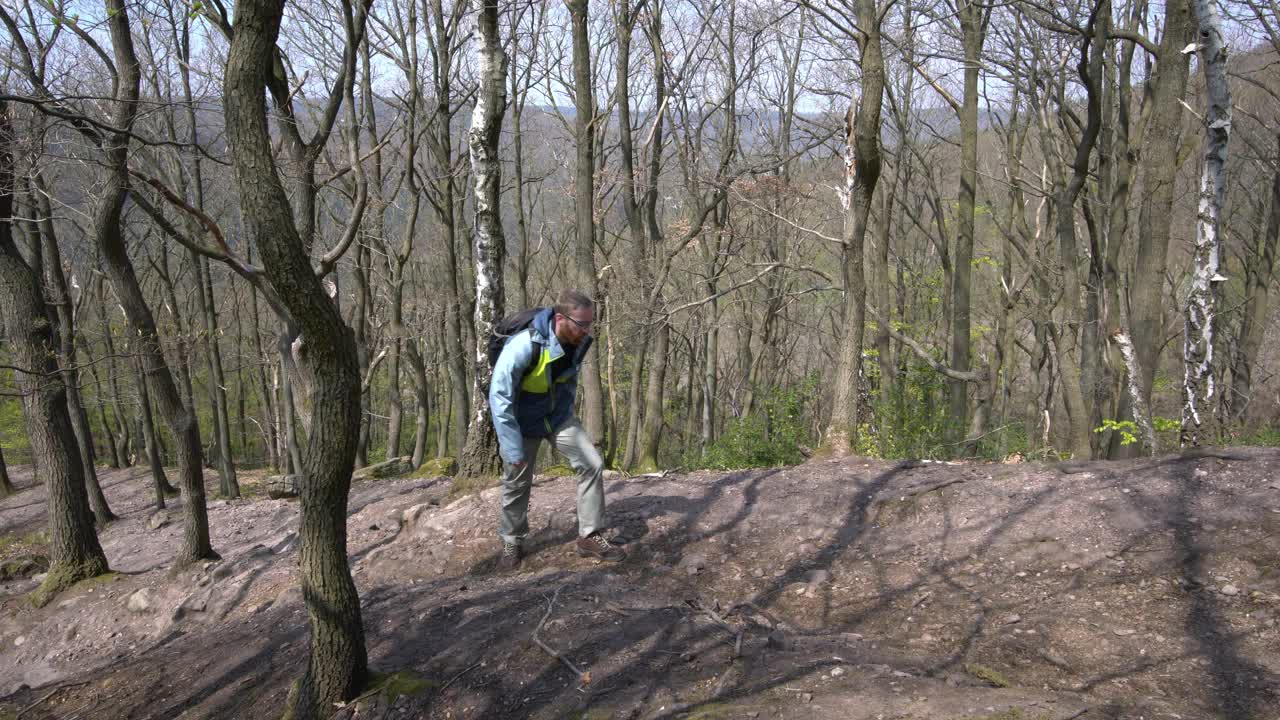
272,239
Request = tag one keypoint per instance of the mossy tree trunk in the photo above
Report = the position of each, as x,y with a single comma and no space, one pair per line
74,552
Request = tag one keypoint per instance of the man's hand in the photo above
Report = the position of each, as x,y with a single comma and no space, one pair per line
519,464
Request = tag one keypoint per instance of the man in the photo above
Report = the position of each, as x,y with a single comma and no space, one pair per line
531,397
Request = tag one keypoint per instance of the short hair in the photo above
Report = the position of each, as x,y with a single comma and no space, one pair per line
570,300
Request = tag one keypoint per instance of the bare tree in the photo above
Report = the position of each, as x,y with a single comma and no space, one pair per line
337,665
74,552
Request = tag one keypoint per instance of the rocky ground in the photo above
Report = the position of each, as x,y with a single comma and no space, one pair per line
837,589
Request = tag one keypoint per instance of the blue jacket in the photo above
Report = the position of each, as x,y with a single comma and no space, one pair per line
522,397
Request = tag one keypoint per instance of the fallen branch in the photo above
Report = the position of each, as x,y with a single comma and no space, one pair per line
455,677
930,487
48,695
583,677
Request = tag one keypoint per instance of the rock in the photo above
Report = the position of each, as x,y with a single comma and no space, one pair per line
837,672
563,521
158,519
139,601
1012,619
1124,632
1229,590
19,641
778,640
693,562
816,577
281,487
438,467
807,697
394,467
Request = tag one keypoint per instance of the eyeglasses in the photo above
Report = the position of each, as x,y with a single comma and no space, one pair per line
584,325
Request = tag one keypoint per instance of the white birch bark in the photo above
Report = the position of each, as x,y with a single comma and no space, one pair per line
480,455
1199,407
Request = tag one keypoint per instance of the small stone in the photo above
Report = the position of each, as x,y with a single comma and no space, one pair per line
18,641
1124,632
1073,566
1012,619
757,573
817,577
837,672
139,601
807,697
778,640
1229,590
158,519
692,569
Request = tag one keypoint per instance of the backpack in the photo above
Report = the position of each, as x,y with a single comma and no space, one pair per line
505,328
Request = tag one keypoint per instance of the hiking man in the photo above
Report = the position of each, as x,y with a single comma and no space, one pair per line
531,396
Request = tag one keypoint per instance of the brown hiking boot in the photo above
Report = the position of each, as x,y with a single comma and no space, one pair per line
510,558
598,547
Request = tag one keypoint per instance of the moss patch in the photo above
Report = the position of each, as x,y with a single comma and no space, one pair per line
558,471
436,467
986,674
397,684
64,578
468,486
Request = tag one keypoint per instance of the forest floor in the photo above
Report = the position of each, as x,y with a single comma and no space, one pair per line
851,589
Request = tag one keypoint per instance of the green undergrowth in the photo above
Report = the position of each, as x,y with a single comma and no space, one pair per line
987,675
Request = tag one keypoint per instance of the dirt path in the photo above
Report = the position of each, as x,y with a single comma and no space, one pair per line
835,589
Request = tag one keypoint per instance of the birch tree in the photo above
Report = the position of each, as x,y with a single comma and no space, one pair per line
1199,394
480,456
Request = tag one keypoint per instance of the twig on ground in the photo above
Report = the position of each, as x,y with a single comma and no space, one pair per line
583,677
48,695
455,677
930,487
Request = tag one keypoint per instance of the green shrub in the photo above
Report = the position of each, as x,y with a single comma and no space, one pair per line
772,436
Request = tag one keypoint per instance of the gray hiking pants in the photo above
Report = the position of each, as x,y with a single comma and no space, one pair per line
575,444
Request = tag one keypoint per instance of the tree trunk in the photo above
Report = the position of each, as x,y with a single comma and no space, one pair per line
1163,133
651,433
62,300
74,552
109,232
6,485
1199,392
337,664
862,171
1260,273
584,199
442,34
480,456
229,485
151,444
973,21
